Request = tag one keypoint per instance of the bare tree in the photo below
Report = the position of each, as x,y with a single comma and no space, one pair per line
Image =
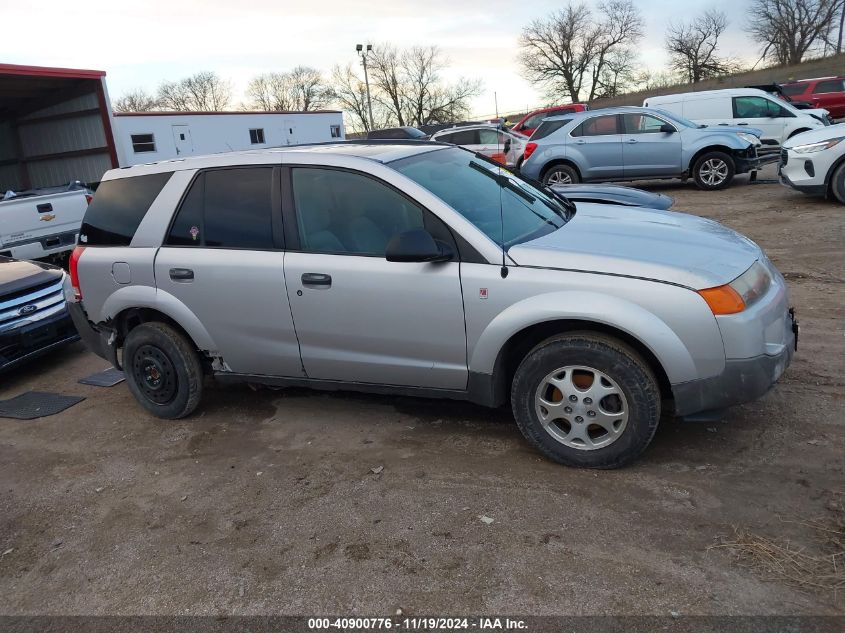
350,94
569,50
693,46
303,88
788,30
138,100
618,74
202,92
407,88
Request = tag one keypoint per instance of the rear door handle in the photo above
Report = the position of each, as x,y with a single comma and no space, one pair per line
181,274
632,140
316,279
742,123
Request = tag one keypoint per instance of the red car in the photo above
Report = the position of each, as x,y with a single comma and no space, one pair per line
823,92
527,124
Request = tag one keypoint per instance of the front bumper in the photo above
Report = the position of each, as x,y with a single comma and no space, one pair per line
743,380
812,189
21,344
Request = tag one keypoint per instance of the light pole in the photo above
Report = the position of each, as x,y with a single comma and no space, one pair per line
364,53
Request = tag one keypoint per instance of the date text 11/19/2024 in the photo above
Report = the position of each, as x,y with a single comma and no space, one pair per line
417,624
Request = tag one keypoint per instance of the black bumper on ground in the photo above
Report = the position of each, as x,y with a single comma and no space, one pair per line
27,342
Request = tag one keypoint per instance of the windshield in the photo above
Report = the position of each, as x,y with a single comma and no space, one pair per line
678,119
485,193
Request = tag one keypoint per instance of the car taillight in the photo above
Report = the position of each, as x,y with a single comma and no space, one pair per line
88,198
73,265
529,149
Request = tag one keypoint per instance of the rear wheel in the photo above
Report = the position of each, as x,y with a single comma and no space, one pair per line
162,370
837,183
713,170
585,399
561,175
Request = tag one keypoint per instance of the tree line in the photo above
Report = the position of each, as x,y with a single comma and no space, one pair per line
584,54
575,53
407,88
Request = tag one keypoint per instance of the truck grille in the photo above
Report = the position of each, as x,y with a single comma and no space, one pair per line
784,157
26,307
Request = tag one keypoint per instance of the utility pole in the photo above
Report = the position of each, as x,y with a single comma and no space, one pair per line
841,24
364,53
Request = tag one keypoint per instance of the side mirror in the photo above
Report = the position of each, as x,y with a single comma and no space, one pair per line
417,245
667,128
507,145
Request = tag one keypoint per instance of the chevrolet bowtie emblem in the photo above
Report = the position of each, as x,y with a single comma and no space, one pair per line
47,217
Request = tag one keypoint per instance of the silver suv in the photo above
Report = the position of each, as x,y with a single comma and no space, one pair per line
423,269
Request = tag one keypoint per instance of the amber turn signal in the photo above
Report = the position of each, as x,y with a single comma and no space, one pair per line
723,300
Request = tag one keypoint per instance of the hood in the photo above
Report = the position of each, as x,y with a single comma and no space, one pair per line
816,136
735,129
17,275
661,245
614,194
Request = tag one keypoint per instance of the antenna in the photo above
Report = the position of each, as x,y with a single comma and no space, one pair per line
504,270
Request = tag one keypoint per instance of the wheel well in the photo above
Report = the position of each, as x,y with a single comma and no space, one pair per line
559,161
712,148
828,179
799,131
131,318
518,345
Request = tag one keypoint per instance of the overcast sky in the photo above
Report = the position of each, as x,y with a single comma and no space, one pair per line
141,42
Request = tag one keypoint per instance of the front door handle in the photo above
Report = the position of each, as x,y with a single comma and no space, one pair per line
181,274
316,280
632,140
742,123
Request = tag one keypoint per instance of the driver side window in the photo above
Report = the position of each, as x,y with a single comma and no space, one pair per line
348,213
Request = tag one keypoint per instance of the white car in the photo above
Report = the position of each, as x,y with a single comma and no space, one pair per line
777,119
491,141
814,162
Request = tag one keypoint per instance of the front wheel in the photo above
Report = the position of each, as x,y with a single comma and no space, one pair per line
585,399
837,183
561,175
162,370
713,170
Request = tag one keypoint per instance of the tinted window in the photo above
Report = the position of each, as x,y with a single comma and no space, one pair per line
256,136
118,208
143,143
758,108
830,85
547,127
465,137
227,208
642,124
791,90
485,194
344,212
599,126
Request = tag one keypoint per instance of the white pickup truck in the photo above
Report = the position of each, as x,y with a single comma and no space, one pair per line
42,223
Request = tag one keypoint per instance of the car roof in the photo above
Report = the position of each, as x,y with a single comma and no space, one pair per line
382,151
600,112
728,92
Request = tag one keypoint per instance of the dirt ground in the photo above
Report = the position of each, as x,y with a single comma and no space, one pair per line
265,502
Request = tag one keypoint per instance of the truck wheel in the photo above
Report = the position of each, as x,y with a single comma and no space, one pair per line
561,175
585,399
837,183
162,370
713,170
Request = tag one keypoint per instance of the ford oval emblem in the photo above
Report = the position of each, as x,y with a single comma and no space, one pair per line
28,309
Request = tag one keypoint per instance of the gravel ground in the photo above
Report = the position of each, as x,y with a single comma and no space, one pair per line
265,502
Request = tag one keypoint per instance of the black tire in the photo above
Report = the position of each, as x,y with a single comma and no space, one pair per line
617,361
558,174
706,162
837,183
162,370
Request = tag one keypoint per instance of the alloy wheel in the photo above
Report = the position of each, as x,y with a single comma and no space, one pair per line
714,172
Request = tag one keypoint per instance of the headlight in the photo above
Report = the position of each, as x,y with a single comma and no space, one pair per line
745,136
741,293
810,148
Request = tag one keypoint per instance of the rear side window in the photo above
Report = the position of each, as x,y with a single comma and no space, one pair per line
118,208
465,137
548,127
227,208
598,126
790,90
829,85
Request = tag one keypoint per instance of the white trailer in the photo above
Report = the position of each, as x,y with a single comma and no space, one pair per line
145,137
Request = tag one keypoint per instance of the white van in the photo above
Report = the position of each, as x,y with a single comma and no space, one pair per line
778,119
